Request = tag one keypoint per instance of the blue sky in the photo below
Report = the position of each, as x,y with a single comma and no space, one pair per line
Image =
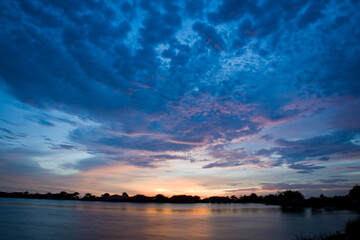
196,97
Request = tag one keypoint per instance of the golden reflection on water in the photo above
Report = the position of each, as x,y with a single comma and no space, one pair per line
197,209
168,224
79,220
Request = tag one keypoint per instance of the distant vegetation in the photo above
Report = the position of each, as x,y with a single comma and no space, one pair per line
289,198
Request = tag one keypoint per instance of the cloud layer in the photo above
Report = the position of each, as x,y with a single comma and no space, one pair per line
206,82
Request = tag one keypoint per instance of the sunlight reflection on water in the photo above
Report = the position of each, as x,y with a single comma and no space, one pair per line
158,208
51,219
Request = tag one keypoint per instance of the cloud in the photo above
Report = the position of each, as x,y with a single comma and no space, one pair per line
18,162
223,164
335,145
324,158
307,188
230,157
312,13
267,137
145,143
334,179
87,164
45,123
305,168
354,168
298,154
231,11
64,147
8,134
209,36
243,190
194,8
345,115
178,76
112,67
93,138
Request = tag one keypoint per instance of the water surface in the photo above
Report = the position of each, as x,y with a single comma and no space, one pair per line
55,219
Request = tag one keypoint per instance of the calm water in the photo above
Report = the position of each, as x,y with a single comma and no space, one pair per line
53,219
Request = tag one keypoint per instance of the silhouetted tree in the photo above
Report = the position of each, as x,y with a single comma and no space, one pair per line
234,198
184,199
354,193
160,198
291,198
216,199
253,198
125,195
105,195
115,198
76,195
62,195
89,197
141,198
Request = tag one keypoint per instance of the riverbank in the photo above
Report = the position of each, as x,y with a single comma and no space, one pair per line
287,199
351,232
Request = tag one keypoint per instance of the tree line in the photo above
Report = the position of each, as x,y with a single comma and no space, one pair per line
289,198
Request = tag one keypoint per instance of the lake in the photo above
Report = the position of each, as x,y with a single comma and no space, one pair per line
55,219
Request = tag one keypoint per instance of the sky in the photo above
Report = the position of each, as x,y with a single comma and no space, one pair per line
180,97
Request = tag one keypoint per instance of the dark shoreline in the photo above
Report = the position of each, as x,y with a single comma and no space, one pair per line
351,231
289,199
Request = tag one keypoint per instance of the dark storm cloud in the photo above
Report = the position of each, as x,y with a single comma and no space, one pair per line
190,71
